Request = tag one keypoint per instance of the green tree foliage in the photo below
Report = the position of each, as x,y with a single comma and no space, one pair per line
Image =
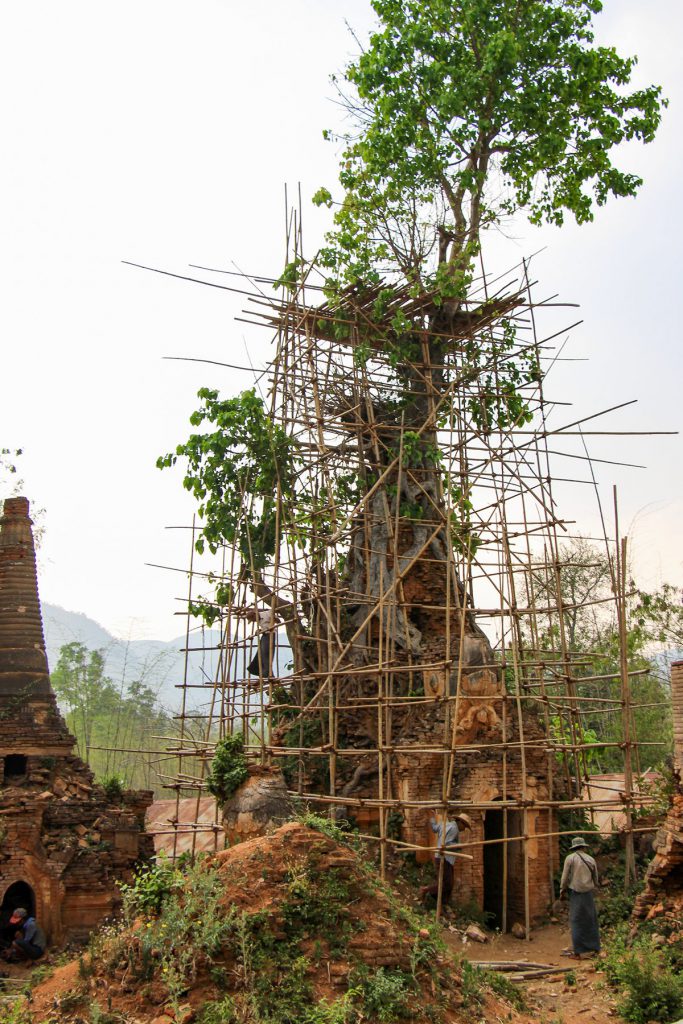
237,471
660,616
10,483
108,720
466,111
462,112
7,457
592,638
228,768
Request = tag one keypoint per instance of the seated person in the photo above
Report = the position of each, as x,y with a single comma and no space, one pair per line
29,939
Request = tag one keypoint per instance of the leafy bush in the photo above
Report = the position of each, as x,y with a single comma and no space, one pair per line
616,905
228,768
651,989
332,829
114,788
15,1013
472,985
191,927
341,1011
152,885
386,995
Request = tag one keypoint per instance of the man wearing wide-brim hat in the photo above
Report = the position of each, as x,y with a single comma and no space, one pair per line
580,879
448,838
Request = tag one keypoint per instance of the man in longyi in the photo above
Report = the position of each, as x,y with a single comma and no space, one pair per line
579,880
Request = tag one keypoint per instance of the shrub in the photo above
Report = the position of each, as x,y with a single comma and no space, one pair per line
650,988
616,905
472,985
332,829
385,995
228,768
114,788
190,929
152,885
341,1011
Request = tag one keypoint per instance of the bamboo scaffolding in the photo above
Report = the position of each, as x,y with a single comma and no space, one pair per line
490,530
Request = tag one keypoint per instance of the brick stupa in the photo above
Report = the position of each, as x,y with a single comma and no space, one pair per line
64,846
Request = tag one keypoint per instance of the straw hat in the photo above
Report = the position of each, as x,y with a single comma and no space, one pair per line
464,819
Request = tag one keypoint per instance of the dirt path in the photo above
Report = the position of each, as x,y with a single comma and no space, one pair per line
554,1000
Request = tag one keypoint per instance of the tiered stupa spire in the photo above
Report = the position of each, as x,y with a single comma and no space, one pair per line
23,661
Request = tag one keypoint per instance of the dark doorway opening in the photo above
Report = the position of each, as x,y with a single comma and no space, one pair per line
493,868
19,894
495,886
15,767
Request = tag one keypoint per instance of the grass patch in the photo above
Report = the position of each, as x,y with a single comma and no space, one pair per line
476,981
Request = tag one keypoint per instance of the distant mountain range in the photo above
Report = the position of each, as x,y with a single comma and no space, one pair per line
159,664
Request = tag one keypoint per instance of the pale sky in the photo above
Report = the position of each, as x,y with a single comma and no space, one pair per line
163,132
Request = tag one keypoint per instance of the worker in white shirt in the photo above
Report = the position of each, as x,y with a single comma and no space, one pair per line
262,662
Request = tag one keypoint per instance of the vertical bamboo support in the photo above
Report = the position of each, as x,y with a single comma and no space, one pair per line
630,874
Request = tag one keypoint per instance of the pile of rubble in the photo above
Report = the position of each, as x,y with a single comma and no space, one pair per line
303,924
662,895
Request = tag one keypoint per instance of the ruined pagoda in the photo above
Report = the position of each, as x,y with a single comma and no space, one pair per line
65,845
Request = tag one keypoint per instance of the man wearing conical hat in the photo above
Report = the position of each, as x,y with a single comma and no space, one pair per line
579,880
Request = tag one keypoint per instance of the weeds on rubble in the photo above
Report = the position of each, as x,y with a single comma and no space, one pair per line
261,966
151,886
15,1012
475,982
191,928
114,788
230,1011
505,988
472,985
228,768
38,975
223,1012
386,994
649,986
100,1016
339,830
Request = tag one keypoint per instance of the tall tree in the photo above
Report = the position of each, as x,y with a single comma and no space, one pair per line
464,112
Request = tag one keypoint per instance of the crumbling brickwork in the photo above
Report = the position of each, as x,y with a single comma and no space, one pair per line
65,845
662,894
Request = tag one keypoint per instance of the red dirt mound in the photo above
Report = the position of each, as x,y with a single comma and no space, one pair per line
291,928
